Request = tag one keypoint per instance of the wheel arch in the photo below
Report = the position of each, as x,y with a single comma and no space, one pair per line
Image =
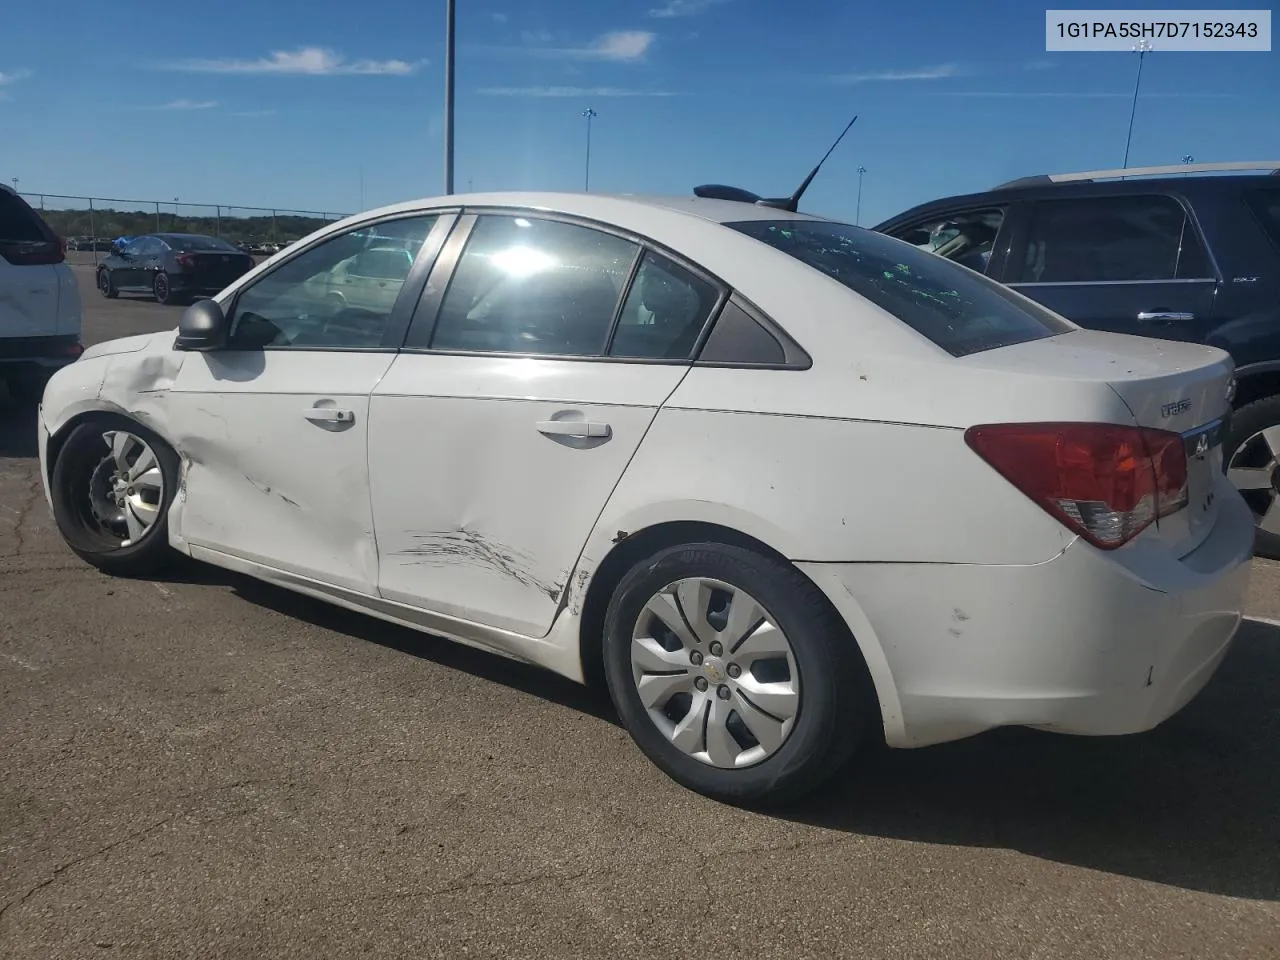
628,548
1256,381
100,408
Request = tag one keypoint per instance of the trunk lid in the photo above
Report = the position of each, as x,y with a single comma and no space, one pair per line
1179,387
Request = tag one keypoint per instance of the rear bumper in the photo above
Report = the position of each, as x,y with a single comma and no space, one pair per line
1089,642
37,354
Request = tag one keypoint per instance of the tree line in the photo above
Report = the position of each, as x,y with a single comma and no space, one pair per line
110,224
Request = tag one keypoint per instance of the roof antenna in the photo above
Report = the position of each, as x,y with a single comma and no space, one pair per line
792,203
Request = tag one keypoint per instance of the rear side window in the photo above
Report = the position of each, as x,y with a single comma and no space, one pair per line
961,311
1266,207
1111,239
664,312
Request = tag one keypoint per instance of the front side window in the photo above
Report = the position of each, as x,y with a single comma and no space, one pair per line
313,300
967,238
664,313
530,286
960,311
1110,239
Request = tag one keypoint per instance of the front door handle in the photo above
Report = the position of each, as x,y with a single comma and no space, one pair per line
573,428
329,415
1164,316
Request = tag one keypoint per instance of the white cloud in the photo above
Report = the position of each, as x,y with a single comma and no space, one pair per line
939,72
684,8
499,17
618,46
1067,95
13,76
306,61
584,92
185,105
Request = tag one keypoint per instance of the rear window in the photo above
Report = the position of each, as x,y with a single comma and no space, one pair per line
961,311
17,223
197,244
1266,207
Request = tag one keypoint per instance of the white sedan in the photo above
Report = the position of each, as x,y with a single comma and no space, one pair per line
783,484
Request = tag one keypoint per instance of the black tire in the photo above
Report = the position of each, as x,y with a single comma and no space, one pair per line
1247,421
106,284
162,289
90,539
837,700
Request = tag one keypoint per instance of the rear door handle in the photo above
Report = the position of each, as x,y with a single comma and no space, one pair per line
1163,316
573,428
329,415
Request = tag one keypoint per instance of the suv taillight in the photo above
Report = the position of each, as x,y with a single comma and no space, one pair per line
1103,481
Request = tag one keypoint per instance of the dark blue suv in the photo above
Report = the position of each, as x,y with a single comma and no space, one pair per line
1187,252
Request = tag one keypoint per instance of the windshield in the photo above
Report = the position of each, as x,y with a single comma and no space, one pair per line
961,311
196,244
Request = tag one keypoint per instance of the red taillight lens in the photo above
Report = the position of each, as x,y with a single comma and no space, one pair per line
186,261
1103,481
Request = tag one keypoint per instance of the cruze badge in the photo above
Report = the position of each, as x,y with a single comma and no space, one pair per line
1175,408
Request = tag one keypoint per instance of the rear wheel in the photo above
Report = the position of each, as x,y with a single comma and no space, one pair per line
106,285
1253,465
162,287
733,674
112,485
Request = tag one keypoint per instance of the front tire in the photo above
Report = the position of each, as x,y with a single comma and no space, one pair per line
733,674
112,485
106,285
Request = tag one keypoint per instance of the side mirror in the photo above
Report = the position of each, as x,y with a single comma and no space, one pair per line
203,327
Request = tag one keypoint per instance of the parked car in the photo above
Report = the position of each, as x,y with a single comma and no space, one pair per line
39,299
1186,252
172,267
782,484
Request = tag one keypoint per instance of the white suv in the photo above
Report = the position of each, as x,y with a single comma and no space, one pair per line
39,299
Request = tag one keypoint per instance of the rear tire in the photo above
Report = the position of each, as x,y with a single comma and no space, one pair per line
162,288
107,285
753,715
112,485
1247,448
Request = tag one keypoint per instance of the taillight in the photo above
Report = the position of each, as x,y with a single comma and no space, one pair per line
1105,482
186,261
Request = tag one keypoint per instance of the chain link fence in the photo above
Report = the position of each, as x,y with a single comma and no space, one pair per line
90,224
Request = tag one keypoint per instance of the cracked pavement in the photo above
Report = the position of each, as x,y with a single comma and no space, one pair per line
206,766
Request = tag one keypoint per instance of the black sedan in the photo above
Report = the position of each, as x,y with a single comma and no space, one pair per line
173,267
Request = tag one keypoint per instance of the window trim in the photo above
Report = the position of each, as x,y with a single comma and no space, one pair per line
1020,240
410,291
794,356
427,313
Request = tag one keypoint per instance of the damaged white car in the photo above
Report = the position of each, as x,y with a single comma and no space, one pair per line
783,484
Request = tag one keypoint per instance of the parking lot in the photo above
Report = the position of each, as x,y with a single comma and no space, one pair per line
206,766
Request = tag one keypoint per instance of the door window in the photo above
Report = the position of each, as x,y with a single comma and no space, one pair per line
664,313
968,238
310,301
531,286
1111,239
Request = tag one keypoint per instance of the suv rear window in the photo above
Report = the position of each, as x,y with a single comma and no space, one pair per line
1266,207
17,223
961,311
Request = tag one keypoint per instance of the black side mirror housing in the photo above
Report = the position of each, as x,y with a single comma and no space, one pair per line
203,327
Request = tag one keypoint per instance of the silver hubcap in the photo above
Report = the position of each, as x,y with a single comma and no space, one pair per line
715,672
1255,470
135,486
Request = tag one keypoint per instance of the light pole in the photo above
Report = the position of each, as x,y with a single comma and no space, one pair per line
1142,49
448,94
857,217
588,113
15,184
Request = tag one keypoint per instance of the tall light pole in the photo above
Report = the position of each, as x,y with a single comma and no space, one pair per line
1142,49
588,113
448,94
857,217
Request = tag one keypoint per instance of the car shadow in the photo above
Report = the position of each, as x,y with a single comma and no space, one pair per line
1194,803
17,427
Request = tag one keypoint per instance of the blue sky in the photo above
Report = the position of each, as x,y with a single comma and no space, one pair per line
296,103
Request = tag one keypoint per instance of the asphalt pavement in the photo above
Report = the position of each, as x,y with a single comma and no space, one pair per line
206,766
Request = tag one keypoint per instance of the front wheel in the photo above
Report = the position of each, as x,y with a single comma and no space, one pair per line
112,485
733,674
106,285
